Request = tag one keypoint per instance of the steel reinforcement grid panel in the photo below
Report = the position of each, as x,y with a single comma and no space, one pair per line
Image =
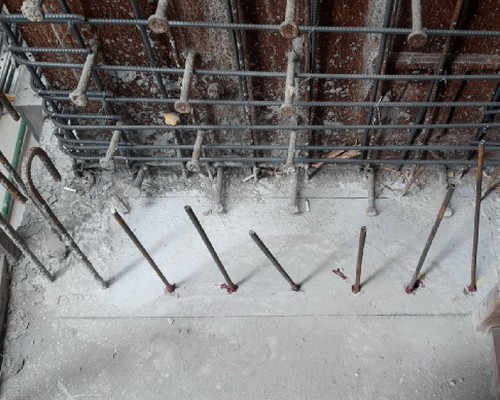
281,82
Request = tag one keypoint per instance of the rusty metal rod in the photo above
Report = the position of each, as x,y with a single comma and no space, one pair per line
12,172
170,288
411,286
274,261
193,165
9,107
182,105
158,22
417,37
18,241
12,189
356,288
289,28
371,210
477,214
47,212
231,287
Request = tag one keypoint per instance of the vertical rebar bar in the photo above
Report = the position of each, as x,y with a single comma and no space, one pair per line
293,205
16,239
356,288
193,165
107,162
231,287
289,167
274,261
219,191
289,28
78,96
169,287
158,22
16,178
182,105
477,214
412,285
287,109
371,210
417,37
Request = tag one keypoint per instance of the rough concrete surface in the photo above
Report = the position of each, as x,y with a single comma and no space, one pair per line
72,340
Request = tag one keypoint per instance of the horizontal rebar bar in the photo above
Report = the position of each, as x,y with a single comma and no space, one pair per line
253,74
80,19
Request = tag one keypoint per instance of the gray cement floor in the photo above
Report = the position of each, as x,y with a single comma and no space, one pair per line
71,339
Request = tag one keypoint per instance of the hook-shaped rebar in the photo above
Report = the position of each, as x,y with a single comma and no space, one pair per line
35,196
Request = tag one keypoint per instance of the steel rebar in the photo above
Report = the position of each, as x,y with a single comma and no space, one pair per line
417,38
371,210
158,22
477,214
12,189
47,212
169,287
410,288
287,109
295,287
182,105
9,107
107,162
356,288
219,191
193,165
293,205
289,28
230,286
78,96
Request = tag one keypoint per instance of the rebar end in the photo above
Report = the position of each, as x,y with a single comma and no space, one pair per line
296,288
230,288
193,166
472,288
171,288
417,39
182,107
158,24
287,110
252,233
188,208
355,289
289,30
371,212
78,99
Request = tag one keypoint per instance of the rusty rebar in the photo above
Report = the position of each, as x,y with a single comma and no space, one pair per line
230,286
182,105
274,261
289,28
356,288
371,210
477,214
413,283
158,22
19,243
12,172
12,189
9,107
78,96
169,287
47,212
417,37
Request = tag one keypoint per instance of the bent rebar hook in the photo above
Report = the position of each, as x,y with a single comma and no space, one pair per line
35,196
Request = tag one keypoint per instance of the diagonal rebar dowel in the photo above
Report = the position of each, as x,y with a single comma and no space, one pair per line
18,241
169,287
12,172
477,214
274,261
12,189
356,288
410,288
47,212
230,286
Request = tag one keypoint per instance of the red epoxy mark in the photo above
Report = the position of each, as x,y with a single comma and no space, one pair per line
340,273
472,288
418,284
229,288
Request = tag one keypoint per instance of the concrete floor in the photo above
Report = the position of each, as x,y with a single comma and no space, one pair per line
71,339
